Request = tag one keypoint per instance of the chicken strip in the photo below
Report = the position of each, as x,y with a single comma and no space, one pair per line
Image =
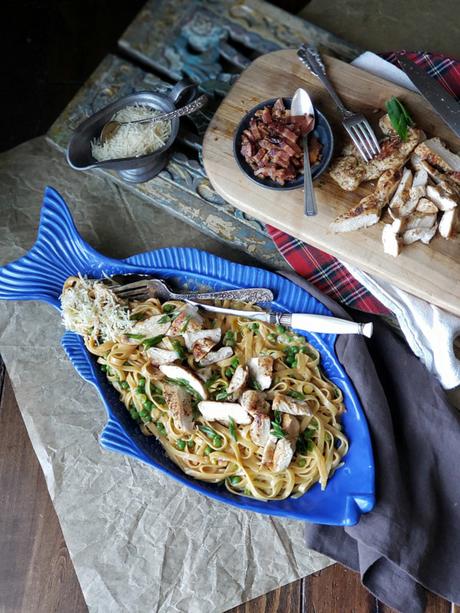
172,371
260,429
254,402
238,381
286,404
282,457
392,243
223,411
448,224
261,370
368,211
419,234
180,405
436,153
213,357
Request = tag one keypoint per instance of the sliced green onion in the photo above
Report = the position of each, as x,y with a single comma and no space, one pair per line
232,429
207,450
235,362
181,444
222,395
154,340
167,308
228,372
234,480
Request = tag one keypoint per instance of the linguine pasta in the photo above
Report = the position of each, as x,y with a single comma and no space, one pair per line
290,439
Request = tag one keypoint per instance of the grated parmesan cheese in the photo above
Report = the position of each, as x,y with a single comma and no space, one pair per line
134,139
90,308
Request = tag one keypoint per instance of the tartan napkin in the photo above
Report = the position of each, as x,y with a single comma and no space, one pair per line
323,270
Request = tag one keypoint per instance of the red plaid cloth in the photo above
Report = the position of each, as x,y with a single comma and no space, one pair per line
322,269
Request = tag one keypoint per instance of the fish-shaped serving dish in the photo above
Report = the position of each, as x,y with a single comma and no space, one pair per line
60,252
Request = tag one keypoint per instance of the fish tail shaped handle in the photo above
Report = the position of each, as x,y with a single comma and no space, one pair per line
58,253
114,438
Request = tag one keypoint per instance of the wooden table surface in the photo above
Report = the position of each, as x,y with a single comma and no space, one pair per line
37,575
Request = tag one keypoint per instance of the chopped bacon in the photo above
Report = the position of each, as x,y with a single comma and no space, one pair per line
271,145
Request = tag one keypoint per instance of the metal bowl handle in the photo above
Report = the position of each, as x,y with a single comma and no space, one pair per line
184,91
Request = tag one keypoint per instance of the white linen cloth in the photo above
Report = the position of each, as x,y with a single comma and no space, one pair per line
429,330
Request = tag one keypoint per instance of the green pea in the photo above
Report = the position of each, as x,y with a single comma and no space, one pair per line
217,441
124,385
254,327
280,329
140,389
228,372
301,462
160,427
141,381
148,405
104,367
168,308
180,444
271,337
207,450
134,414
235,480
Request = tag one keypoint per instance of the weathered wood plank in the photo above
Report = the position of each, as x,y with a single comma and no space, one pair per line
205,39
336,589
286,599
36,573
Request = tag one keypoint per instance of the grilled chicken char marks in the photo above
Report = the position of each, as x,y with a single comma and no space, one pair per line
271,144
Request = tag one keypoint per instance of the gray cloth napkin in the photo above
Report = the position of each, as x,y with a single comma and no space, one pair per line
411,540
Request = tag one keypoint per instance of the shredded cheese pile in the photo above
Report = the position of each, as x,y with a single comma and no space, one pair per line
89,308
133,139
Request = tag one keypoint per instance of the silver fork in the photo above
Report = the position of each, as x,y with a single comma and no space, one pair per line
156,288
355,124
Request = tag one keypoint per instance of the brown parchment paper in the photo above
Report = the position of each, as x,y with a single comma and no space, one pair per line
139,541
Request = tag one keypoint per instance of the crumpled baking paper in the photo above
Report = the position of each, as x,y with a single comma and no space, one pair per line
138,540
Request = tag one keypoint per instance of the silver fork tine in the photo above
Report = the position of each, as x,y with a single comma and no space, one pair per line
121,289
358,127
357,142
133,295
372,137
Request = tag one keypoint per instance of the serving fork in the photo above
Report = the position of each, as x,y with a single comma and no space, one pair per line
157,288
355,124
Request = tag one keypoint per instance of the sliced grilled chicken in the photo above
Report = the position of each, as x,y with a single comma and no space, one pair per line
238,381
436,153
260,429
213,357
417,191
419,234
150,326
448,224
188,320
392,243
180,373
282,457
261,370
386,126
348,171
418,219
269,451
398,225
393,154
180,405
401,195
254,402
191,337
286,404
291,426
368,211
426,206
442,199
202,347
161,356
223,411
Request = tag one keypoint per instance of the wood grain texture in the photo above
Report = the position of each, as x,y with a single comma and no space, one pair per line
430,272
287,599
36,573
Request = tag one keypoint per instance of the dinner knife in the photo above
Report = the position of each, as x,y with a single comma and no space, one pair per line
441,101
299,321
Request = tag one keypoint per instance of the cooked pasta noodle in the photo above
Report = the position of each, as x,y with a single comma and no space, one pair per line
222,450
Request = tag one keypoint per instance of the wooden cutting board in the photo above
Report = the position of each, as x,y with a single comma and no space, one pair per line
430,271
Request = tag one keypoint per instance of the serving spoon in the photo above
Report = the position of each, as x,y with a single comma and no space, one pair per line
111,127
302,106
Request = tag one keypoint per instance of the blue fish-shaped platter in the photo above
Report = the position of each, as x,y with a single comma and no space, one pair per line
60,252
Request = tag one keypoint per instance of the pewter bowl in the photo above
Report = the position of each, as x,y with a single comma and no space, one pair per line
133,169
